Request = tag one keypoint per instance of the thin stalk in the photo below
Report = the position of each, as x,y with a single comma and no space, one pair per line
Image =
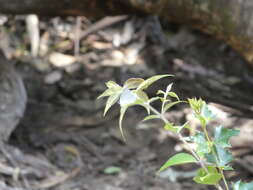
215,155
202,164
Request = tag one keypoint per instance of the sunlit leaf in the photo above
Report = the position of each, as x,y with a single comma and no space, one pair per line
112,170
206,113
211,178
111,101
170,127
180,158
133,83
222,136
109,92
160,92
153,99
169,105
222,157
127,97
112,84
242,186
123,110
145,84
142,95
202,119
151,117
202,145
174,95
196,104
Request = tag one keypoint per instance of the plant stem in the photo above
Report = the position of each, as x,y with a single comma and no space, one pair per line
215,155
224,179
181,138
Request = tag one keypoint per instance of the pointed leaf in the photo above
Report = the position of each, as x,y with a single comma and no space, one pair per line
142,95
170,127
174,95
151,117
111,101
123,110
145,84
222,136
133,83
211,178
112,170
169,87
112,84
222,158
160,92
169,105
180,158
202,145
206,113
107,92
153,99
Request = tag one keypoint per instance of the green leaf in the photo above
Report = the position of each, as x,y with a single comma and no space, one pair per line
170,127
174,95
222,136
153,99
160,92
151,117
108,92
168,88
242,186
111,101
123,110
145,84
133,83
142,95
202,144
169,105
112,84
206,113
180,158
222,157
112,170
212,177
196,104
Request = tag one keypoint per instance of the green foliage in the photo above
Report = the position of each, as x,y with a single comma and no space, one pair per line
202,145
222,136
211,152
180,158
112,170
209,177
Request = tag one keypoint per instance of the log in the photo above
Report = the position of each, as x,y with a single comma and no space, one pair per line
230,21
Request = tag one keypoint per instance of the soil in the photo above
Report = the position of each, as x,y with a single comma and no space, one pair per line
64,142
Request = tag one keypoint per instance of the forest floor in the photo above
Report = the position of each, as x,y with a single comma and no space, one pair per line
64,142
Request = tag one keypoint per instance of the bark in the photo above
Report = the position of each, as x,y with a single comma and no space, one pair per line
230,20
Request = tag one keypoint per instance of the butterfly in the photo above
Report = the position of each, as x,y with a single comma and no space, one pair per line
127,97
